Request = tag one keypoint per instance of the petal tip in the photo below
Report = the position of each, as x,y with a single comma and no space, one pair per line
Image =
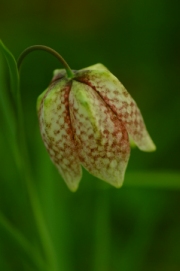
73,188
150,146
72,182
119,185
153,147
117,182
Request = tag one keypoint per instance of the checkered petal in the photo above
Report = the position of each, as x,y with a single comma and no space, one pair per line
121,103
56,130
101,138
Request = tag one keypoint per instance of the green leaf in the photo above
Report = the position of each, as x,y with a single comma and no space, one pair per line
8,100
14,76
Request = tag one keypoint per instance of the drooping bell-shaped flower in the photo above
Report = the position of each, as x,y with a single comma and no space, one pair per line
88,121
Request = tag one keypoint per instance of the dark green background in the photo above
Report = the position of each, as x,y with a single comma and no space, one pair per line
99,228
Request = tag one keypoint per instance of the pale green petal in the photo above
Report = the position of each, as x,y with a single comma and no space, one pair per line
122,104
57,133
101,139
40,98
58,73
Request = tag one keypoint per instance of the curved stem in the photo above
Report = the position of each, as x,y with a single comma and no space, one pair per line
49,50
26,172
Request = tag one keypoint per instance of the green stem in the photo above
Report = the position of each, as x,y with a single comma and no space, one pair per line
49,50
36,206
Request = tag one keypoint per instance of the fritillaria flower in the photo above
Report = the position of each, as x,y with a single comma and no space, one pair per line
88,121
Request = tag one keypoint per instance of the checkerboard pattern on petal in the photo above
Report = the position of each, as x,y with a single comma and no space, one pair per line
122,104
56,131
102,140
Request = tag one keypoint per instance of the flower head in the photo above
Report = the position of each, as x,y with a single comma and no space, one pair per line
89,120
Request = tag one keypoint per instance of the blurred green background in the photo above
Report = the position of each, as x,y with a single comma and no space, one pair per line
98,228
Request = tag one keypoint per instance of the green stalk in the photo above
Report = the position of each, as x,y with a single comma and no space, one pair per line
49,50
34,199
36,207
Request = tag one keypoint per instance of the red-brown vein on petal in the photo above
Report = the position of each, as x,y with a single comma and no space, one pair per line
57,134
101,138
121,103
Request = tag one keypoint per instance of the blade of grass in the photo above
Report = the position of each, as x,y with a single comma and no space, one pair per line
14,76
9,115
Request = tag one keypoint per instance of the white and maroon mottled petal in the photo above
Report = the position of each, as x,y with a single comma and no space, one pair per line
56,131
122,104
101,138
